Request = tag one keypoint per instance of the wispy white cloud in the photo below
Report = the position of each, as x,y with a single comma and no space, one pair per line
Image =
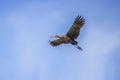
34,23
30,43
98,45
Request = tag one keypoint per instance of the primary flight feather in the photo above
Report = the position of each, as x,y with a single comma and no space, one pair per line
71,35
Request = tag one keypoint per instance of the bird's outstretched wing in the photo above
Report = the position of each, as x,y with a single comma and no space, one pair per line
75,28
57,42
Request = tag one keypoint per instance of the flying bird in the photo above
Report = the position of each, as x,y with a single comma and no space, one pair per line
71,35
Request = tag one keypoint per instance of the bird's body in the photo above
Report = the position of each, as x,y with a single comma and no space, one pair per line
71,35
63,39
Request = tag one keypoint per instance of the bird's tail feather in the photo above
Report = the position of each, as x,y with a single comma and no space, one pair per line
78,47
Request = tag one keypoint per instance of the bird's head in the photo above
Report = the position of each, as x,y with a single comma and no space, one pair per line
74,42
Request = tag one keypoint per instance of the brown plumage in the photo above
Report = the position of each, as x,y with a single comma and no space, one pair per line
71,35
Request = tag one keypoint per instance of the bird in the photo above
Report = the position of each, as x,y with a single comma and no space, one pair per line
71,35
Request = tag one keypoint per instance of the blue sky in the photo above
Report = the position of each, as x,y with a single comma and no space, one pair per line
25,30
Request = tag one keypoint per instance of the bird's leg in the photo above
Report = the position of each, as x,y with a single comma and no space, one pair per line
56,36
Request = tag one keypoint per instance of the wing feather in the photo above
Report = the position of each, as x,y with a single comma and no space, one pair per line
57,42
75,28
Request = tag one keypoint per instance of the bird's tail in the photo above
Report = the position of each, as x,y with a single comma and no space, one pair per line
78,47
